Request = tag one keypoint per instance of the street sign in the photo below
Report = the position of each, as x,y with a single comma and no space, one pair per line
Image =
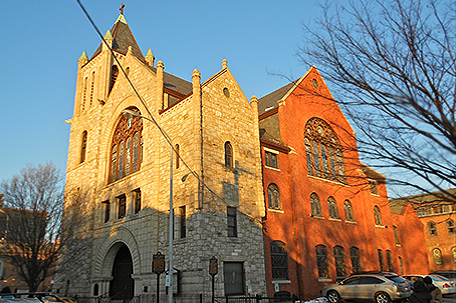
158,263
213,266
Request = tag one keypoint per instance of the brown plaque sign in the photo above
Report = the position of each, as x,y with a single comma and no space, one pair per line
213,266
158,264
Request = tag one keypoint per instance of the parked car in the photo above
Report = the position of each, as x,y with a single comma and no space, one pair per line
449,274
379,287
446,285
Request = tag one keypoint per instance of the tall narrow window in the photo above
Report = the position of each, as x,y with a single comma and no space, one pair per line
450,227
322,261
92,86
126,147
348,209
84,94
122,206
271,159
401,264
332,207
389,261
107,210
437,255
323,151
453,252
355,259
279,261
137,197
83,146
135,152
309,157
373,187
228,154
176,155
182,222
339,258
315,205
232,221
128,156
432,228
114,74
378,216
274,197
396,235
380,260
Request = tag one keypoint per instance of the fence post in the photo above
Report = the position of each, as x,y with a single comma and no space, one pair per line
258,298
226,298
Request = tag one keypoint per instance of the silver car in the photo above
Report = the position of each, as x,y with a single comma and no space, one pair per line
446,285
381,288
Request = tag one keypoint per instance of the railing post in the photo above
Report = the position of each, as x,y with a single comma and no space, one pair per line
258,298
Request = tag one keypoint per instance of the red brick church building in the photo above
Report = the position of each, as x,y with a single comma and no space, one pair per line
328,214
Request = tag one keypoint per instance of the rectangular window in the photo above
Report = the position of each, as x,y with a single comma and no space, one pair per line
122,206
380,260
180,224
137,197
396,235
232,221
271,159
233,273
373,187
107,210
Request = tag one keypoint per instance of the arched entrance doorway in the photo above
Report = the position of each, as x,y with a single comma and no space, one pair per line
122,284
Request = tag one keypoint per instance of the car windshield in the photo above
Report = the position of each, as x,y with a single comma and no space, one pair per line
396,279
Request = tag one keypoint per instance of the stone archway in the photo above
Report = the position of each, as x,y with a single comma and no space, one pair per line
122,284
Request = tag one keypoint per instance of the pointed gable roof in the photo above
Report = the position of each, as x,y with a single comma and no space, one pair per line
122,39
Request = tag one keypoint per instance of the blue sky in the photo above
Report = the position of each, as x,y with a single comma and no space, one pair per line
42,40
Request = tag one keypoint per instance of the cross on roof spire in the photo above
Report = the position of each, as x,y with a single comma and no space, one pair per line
121,8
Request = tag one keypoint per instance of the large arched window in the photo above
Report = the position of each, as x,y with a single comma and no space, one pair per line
228,154
274,197
322,261
332,208
126,147
432,228
348,209
279,261
83,146
315,205
378,216
323,151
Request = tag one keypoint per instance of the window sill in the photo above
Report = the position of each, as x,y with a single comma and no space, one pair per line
335,219
272,168
351,222
317,217
324,280
281,282
276,210
381,226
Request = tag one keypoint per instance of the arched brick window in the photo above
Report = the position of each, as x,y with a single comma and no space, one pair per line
126,147
332,207
322,261
339,258
355,259
114,74
348,208
274,197
315,205
437,255
378,216
323,151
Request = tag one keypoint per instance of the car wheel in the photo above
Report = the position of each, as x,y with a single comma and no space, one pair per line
333,296
382,297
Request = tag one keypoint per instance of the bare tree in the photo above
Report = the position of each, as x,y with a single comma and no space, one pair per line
38,225
393,67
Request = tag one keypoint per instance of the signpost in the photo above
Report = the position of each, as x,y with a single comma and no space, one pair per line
158,267
213,271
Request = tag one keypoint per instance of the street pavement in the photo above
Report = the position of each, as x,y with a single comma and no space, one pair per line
449,298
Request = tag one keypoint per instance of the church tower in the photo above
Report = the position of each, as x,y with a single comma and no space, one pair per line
122,166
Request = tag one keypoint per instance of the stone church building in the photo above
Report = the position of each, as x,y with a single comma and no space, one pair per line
122,165
272,188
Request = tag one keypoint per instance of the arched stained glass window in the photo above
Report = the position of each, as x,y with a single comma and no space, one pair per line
323,144
315,205
332,207
279,261
339,258
437,255
228,154
378,216
322,261
349,216
355,259
126,147
274,197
